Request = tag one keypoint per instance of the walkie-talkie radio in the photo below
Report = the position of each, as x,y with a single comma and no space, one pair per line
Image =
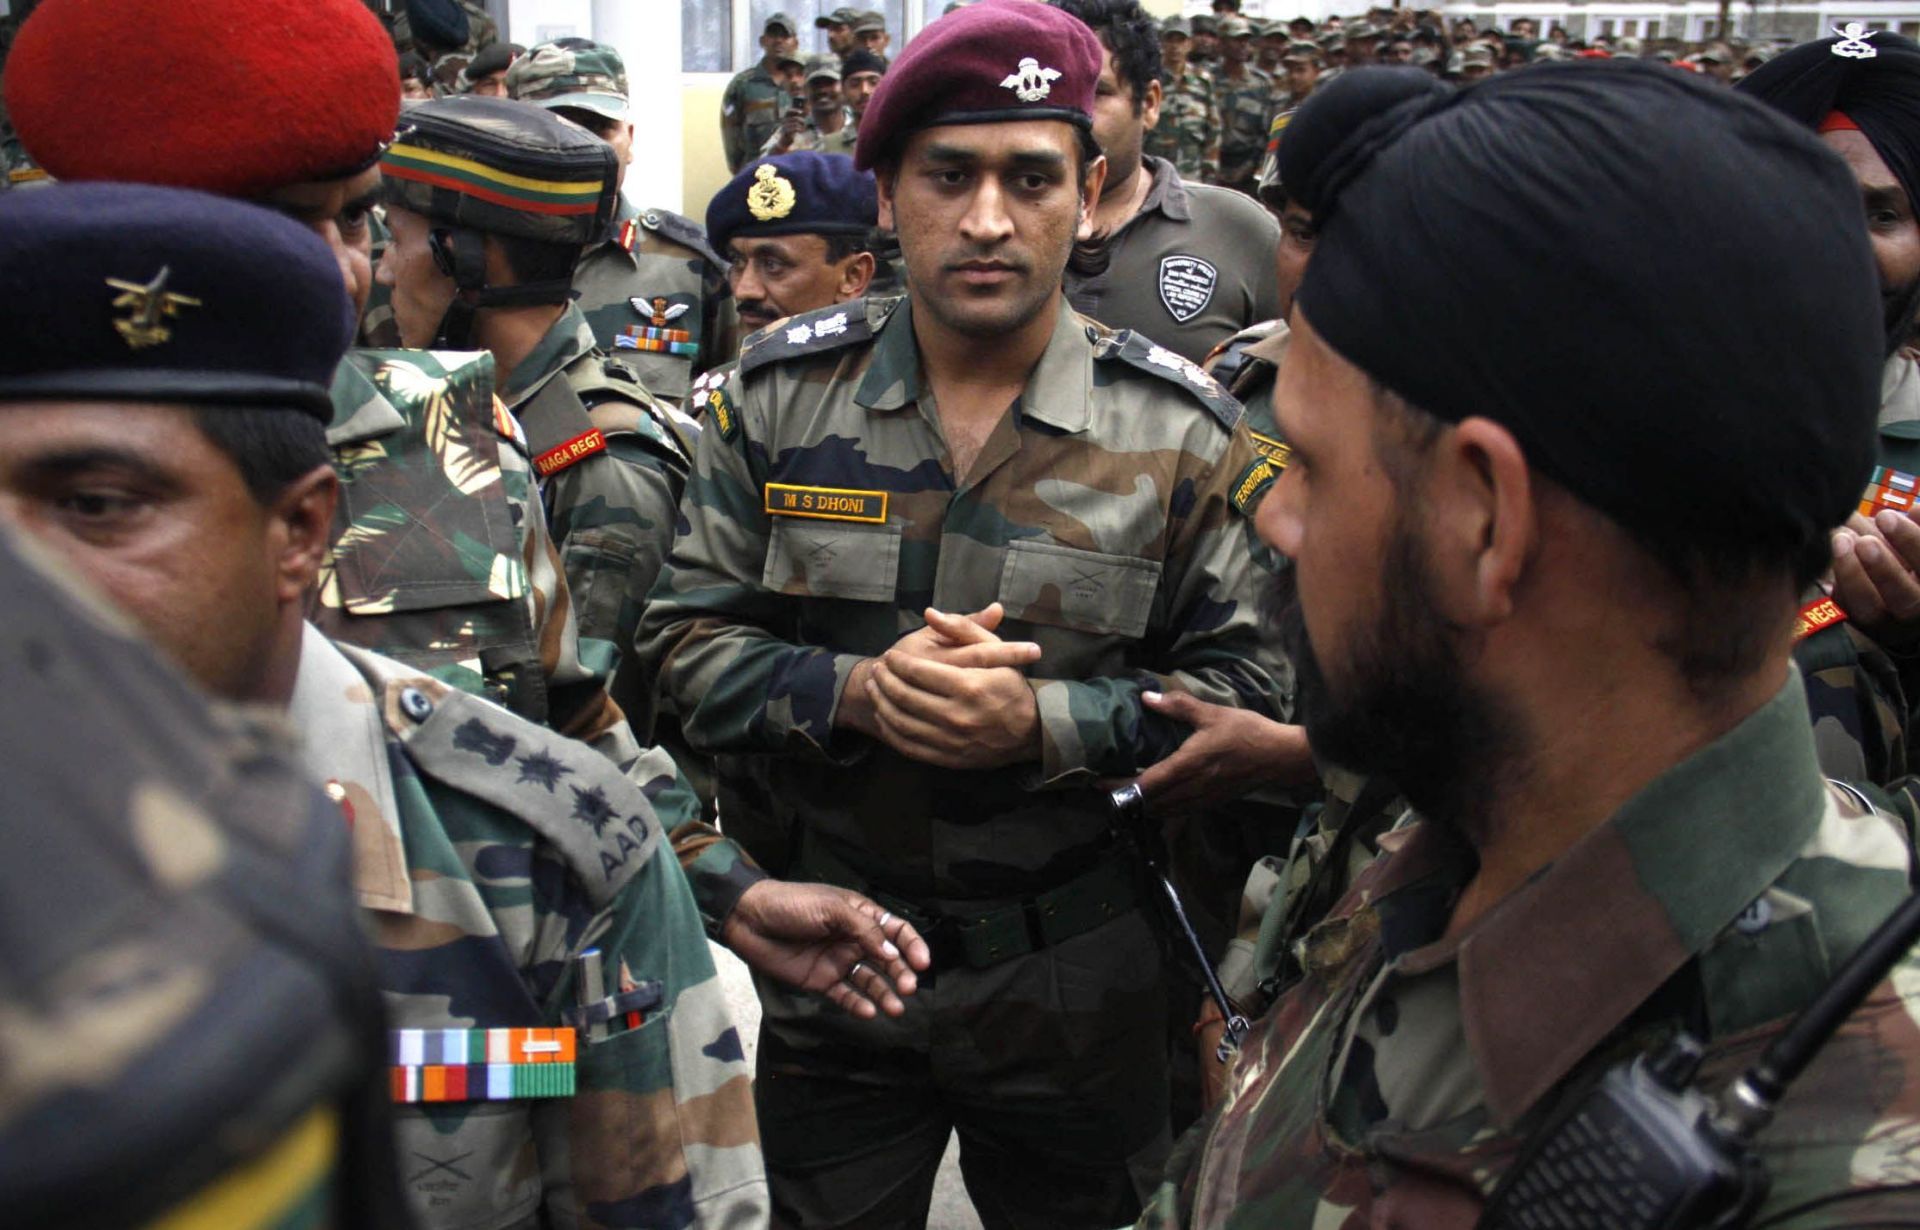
1645,1150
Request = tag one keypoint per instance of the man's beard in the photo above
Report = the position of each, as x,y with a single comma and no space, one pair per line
1404,708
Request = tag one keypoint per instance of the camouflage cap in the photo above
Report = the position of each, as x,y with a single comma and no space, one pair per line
1361,29
780,21
586,78
1176,25
1300,49
827,66
871,22
1205,23
839,17
493,165
1232,25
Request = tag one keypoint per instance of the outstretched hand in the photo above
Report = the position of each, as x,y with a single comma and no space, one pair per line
1230,753
831,941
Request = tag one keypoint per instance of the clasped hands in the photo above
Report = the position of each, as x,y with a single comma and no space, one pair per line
951,694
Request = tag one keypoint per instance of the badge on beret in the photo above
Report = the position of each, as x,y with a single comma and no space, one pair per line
771,195
1030,82
1853,44
148,305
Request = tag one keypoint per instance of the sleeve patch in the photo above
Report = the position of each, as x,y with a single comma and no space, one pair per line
1256,478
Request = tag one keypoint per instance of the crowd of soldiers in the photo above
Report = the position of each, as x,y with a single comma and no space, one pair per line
1155,622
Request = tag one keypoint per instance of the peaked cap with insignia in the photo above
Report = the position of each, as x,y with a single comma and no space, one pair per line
823,195
129,292
237,97
990,62
504,168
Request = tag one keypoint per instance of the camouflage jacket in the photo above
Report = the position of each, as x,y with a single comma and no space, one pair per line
656,295
612,461
1396,1082
1246,109
441,556
1188,134
192,1021
750,112
840,141
821,520
490,855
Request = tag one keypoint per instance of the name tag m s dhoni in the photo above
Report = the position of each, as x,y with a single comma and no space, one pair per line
826,503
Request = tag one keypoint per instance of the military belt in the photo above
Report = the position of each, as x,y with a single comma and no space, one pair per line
983,940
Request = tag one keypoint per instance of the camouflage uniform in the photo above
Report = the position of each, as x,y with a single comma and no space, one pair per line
654,289
1188,134
1246,108
1043,1047
490,855
613,462
1396,1082
441,556
840,141
190,1010
657,274
750,112
481,30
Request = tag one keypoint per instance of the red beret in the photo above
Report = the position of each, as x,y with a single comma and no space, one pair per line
992,61
237,97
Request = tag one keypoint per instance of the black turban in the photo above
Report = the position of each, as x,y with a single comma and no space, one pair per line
1662,289
1880,93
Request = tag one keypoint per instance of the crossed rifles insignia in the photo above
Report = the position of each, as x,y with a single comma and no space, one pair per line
148,308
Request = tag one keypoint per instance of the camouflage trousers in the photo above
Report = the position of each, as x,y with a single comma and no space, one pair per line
1051,1067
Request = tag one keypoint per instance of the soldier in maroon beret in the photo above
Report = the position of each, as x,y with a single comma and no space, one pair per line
872,468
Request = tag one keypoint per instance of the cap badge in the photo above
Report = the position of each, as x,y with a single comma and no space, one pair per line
771,195
147,306
1030,82
1853,44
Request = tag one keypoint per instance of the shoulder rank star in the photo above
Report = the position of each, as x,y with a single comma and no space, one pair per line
1030,82
771,196
148,305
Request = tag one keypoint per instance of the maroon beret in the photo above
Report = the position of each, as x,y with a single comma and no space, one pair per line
992,61
236,97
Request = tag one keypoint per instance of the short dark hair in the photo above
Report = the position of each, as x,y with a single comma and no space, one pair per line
536,260
1128,34
271,446
840,246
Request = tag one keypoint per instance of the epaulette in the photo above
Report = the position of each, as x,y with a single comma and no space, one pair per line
683,231
814,332
617,400
1226,361
712,400
598,821
1132,348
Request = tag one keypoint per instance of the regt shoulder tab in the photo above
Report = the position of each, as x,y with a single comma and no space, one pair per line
1131,348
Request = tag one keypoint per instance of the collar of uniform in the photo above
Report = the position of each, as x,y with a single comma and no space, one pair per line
568,339
360,410
1169,192
343,746
1059,392
1900,389
1552,970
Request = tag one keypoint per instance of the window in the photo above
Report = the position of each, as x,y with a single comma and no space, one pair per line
706,37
